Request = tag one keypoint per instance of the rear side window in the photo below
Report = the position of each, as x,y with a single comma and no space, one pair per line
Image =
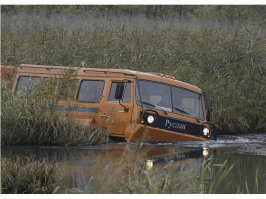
90,90
126,97
27,83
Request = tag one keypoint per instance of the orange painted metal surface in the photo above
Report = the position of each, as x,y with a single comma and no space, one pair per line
111,114
8,72
148,158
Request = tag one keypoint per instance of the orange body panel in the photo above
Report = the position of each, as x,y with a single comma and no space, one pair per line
111,114
8,72
81,170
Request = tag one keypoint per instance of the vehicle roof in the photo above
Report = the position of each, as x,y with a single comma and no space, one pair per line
161,78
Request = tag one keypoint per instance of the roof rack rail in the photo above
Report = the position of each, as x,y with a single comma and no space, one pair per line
154,73
162,75
104,71
46,67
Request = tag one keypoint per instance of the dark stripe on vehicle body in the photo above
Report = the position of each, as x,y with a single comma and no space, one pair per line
174,125
179,156
76,109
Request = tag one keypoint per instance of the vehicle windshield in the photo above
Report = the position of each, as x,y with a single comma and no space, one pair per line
170,98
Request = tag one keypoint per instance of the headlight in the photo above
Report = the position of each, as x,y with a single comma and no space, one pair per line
205,151
149,164
206,131
150,119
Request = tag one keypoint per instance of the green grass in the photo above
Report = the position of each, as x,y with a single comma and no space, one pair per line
29,176
30,120
226,59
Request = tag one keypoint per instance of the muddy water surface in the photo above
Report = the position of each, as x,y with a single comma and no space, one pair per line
246,153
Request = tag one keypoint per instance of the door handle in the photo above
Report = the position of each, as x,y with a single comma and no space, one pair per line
123,111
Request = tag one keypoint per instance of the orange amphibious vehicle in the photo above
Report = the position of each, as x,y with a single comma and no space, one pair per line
135,106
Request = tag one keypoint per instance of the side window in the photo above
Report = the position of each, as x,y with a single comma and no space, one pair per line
27,83
126,97
90,90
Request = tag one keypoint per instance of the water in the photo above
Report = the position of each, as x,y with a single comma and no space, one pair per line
247,154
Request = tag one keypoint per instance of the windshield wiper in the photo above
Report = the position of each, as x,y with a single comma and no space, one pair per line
147,103
154,106
182,111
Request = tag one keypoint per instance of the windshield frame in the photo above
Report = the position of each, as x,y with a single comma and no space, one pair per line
202,114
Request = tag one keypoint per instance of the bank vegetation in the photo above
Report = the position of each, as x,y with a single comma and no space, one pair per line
29,118
226,58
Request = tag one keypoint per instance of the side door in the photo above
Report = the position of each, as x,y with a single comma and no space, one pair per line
114,115
88,95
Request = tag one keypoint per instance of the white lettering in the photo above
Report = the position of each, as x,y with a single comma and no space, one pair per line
181,156
168,124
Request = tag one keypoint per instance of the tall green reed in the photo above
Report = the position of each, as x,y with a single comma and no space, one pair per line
29,118
225,59
30,176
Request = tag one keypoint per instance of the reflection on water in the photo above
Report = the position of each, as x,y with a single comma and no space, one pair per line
246,153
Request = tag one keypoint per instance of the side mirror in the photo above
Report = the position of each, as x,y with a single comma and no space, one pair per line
208,116
209,112
119,91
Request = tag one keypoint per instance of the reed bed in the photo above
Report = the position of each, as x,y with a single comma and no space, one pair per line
31,120
29,176
226,59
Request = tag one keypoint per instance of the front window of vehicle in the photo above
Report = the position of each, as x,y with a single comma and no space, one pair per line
187,103
155,95
170,98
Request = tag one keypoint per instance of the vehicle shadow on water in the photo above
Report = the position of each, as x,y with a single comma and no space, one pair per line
230,164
